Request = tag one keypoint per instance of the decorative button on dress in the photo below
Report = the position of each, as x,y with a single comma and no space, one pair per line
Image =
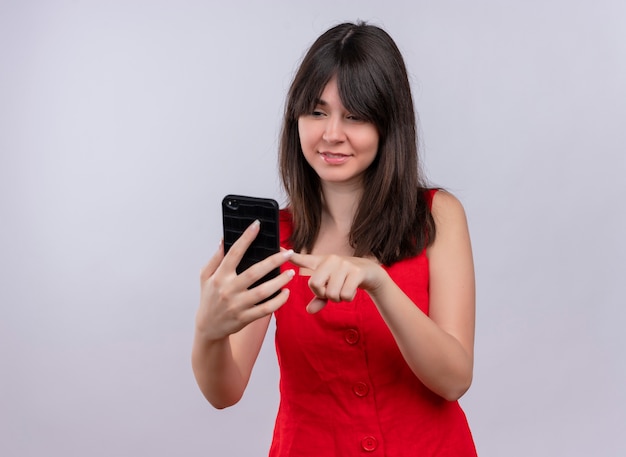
345,387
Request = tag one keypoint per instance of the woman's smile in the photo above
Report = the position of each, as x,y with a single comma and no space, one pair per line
333,158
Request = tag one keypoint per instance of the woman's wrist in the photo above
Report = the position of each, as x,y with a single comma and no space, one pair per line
379,283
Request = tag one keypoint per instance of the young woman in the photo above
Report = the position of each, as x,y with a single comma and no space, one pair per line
375,320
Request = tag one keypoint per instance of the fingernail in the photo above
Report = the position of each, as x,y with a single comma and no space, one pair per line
291,273
288,253
256,223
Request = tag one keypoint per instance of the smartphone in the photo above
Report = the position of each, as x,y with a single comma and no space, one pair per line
238,212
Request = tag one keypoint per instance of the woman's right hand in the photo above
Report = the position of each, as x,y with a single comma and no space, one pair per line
226,304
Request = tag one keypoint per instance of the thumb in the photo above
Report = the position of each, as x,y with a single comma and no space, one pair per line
316,305
215,262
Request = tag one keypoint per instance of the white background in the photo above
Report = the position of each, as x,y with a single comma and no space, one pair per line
123,123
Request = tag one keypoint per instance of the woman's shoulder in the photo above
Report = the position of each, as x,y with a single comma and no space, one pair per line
285,215
444,204
450,220
285,227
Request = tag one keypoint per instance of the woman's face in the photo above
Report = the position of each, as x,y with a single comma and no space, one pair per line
337,144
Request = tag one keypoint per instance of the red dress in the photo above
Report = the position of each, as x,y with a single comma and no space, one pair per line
345,387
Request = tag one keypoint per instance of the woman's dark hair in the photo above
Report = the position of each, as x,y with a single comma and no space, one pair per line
393,220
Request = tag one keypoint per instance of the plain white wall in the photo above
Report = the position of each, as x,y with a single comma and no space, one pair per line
123,123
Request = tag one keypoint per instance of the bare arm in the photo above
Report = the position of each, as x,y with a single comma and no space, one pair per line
230,328
438,347
223,367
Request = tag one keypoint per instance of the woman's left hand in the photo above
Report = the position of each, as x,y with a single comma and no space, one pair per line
337,278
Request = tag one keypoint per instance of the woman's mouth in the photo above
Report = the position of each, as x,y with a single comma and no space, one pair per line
333,158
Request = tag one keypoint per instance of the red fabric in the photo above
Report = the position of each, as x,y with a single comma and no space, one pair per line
345,387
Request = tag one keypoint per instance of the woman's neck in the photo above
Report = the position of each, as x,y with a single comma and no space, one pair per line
340,203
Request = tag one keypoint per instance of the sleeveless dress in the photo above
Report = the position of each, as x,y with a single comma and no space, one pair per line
345,387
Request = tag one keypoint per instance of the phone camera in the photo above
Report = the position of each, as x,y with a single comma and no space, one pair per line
232,203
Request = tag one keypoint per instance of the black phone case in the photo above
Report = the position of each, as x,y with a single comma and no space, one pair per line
238,212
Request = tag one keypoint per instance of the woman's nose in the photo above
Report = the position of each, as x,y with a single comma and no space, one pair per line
333,131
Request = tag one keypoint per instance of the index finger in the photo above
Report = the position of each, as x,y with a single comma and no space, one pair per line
309,261
239,247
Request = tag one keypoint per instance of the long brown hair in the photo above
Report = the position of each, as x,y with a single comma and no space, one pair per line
393,220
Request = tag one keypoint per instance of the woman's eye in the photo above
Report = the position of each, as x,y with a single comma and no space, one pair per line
354,118
317,113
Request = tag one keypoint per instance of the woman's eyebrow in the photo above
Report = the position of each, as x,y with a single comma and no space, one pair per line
319,101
